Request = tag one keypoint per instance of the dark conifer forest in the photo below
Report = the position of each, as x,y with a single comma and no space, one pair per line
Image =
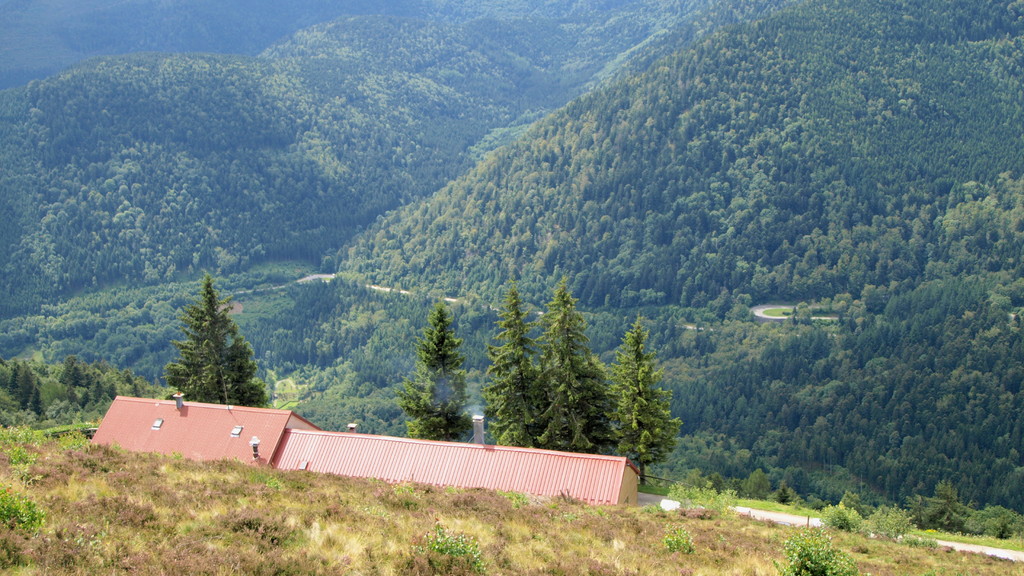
860,162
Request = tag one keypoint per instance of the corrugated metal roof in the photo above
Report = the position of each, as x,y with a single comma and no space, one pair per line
592,478
198,431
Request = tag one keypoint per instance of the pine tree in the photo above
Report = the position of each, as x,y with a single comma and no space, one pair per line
27,386
577,398
645,430
216,363
435,398
513,398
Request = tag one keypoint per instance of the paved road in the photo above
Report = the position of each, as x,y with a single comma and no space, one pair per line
794,520
758,312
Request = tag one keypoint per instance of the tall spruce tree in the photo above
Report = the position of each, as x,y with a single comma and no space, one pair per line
216,363
435,399
576,414
645,429
514,396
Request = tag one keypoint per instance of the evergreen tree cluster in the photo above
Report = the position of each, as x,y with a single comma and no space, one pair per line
41,395
552,394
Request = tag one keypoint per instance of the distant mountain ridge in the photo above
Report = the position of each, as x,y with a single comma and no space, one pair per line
40,37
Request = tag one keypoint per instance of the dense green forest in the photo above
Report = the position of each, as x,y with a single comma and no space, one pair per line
43,395
865,154
864,157
812,153
151,167
40,37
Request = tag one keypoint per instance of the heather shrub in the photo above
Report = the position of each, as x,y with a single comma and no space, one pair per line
69,546
12,549
810,553
270,531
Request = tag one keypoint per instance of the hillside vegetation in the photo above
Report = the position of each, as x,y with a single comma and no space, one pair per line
828,147
149,166
40,37
863,155
100,510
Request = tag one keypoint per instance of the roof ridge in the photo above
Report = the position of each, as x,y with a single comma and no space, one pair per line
466,445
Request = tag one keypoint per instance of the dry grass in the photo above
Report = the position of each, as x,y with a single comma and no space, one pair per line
112,512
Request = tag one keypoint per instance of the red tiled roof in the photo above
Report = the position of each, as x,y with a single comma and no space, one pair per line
198,431
592,478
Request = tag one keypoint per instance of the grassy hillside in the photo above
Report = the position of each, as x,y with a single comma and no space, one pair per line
109,511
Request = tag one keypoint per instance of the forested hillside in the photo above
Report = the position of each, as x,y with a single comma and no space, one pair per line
862,155
40,37
809,154
148,167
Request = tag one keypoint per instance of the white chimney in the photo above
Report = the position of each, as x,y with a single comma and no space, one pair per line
179,400
478,429
353,427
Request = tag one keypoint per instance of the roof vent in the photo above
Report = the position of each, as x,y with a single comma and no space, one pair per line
236,431
157,424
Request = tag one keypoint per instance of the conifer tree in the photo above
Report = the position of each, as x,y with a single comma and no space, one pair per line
513,398
577,398
216,363
435,398
646,431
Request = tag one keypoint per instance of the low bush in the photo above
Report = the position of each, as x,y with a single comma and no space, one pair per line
703,497
17,512
890,522
677,539
842,518
449,552
810,553
266,530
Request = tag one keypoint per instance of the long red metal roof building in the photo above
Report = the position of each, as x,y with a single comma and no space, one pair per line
595,479
200,431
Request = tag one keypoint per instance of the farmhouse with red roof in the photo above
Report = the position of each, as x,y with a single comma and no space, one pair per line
288,442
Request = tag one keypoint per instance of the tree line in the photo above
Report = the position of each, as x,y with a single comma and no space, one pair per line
41,395
550,393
